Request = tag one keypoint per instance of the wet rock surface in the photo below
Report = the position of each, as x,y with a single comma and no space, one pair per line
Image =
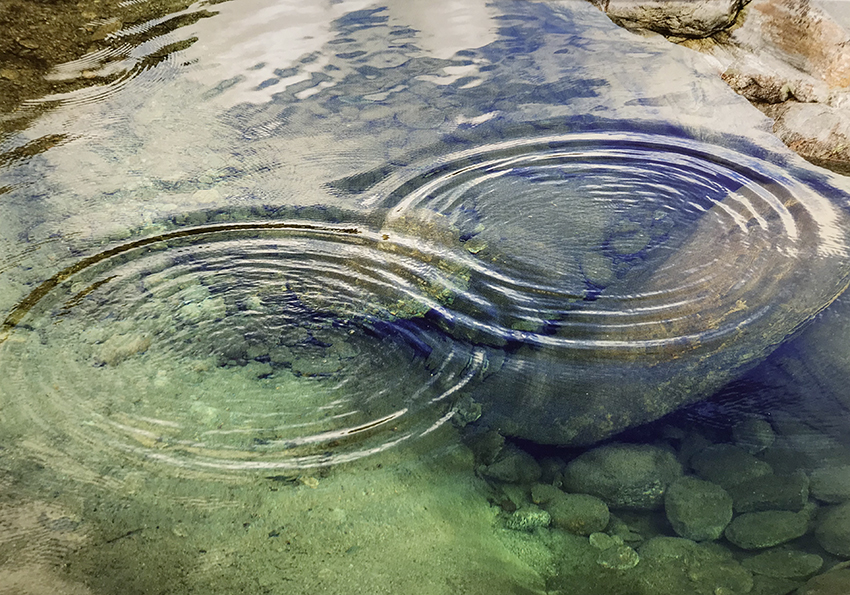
788,563
728,465
833,530
831,484
771,492
758,530
764,534
626,476
790,58
686,18
697,510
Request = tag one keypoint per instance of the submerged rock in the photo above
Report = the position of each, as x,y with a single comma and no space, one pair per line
772,492
674,566
542,493
830,583
753,435
578,513
513,466
661,566
728,465
630,476
697,509
758,530
620,557
768,585
831,484
833,530
118,348
603,541
788,563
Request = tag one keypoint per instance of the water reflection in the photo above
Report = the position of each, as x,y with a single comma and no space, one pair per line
246,244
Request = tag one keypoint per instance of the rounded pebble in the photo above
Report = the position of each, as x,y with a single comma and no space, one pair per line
758,530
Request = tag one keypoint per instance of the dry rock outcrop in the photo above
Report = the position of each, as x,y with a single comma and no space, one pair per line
790,58
686,18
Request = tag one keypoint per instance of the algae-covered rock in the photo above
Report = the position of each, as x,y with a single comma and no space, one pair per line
630,476
675,566
578,513
831,484
697,510
758,530
542,493
830,583
513,466
784,563
771,492
728,465
619,557
661,566
603,541
768,585
833,530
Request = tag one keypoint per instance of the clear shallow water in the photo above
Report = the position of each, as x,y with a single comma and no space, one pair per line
268,276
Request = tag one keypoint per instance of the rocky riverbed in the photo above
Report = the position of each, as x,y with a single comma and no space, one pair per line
723,504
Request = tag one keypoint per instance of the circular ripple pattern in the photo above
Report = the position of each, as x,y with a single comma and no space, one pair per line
265,345
570,286
626,244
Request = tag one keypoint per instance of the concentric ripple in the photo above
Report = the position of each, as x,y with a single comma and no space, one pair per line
257,345
625,245
599,279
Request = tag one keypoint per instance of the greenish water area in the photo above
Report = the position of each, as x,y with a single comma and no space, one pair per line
408,297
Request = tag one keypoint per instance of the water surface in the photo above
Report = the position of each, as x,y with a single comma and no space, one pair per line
266,268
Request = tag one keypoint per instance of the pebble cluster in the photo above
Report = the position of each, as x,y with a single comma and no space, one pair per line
763,511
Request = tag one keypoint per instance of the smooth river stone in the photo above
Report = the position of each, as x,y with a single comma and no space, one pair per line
784,563
581,514
759,530
627,476
772,492
831,484
728,465
834,582
753,435
697,509
833,530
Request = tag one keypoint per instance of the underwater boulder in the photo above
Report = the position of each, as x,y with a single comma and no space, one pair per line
611,277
